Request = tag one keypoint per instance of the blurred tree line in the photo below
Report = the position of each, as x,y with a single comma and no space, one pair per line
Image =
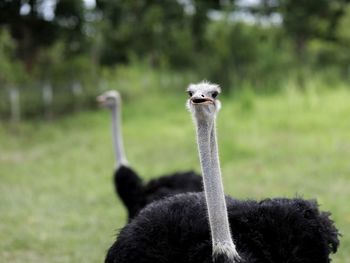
66,48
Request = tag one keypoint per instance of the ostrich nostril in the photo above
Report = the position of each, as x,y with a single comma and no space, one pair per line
202,95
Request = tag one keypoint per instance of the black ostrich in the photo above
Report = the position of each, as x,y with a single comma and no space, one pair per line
134,193
176,229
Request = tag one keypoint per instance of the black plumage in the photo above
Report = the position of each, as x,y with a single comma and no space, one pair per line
176,230
135,194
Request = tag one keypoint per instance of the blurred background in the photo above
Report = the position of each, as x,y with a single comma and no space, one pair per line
283,65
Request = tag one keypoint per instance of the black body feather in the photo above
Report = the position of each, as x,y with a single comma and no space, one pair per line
176,230
136,195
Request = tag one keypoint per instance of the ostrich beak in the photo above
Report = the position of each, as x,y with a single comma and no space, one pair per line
100,99
201,100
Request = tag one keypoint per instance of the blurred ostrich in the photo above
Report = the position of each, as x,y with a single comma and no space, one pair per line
128,185
176,229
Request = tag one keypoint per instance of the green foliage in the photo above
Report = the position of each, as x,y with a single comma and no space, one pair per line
158,42
69,16
146,29
306,20
343,33
33,31
11,70
245,53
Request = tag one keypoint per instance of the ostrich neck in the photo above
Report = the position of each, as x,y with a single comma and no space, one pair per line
120,157
213,188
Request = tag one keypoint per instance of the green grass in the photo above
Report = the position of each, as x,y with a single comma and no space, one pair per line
57,202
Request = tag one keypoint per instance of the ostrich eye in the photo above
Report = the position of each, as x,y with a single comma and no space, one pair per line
215,94
190,93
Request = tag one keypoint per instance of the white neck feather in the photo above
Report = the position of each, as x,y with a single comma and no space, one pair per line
215,198
223,243
120,157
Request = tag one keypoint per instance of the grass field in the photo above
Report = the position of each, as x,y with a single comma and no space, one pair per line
57,202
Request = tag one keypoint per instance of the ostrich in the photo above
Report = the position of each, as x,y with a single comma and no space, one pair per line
128,185
207,227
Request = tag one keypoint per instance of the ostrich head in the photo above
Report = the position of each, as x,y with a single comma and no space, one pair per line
203,102
109,99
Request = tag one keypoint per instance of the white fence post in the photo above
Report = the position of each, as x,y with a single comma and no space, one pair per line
47,98
15,104
77,90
